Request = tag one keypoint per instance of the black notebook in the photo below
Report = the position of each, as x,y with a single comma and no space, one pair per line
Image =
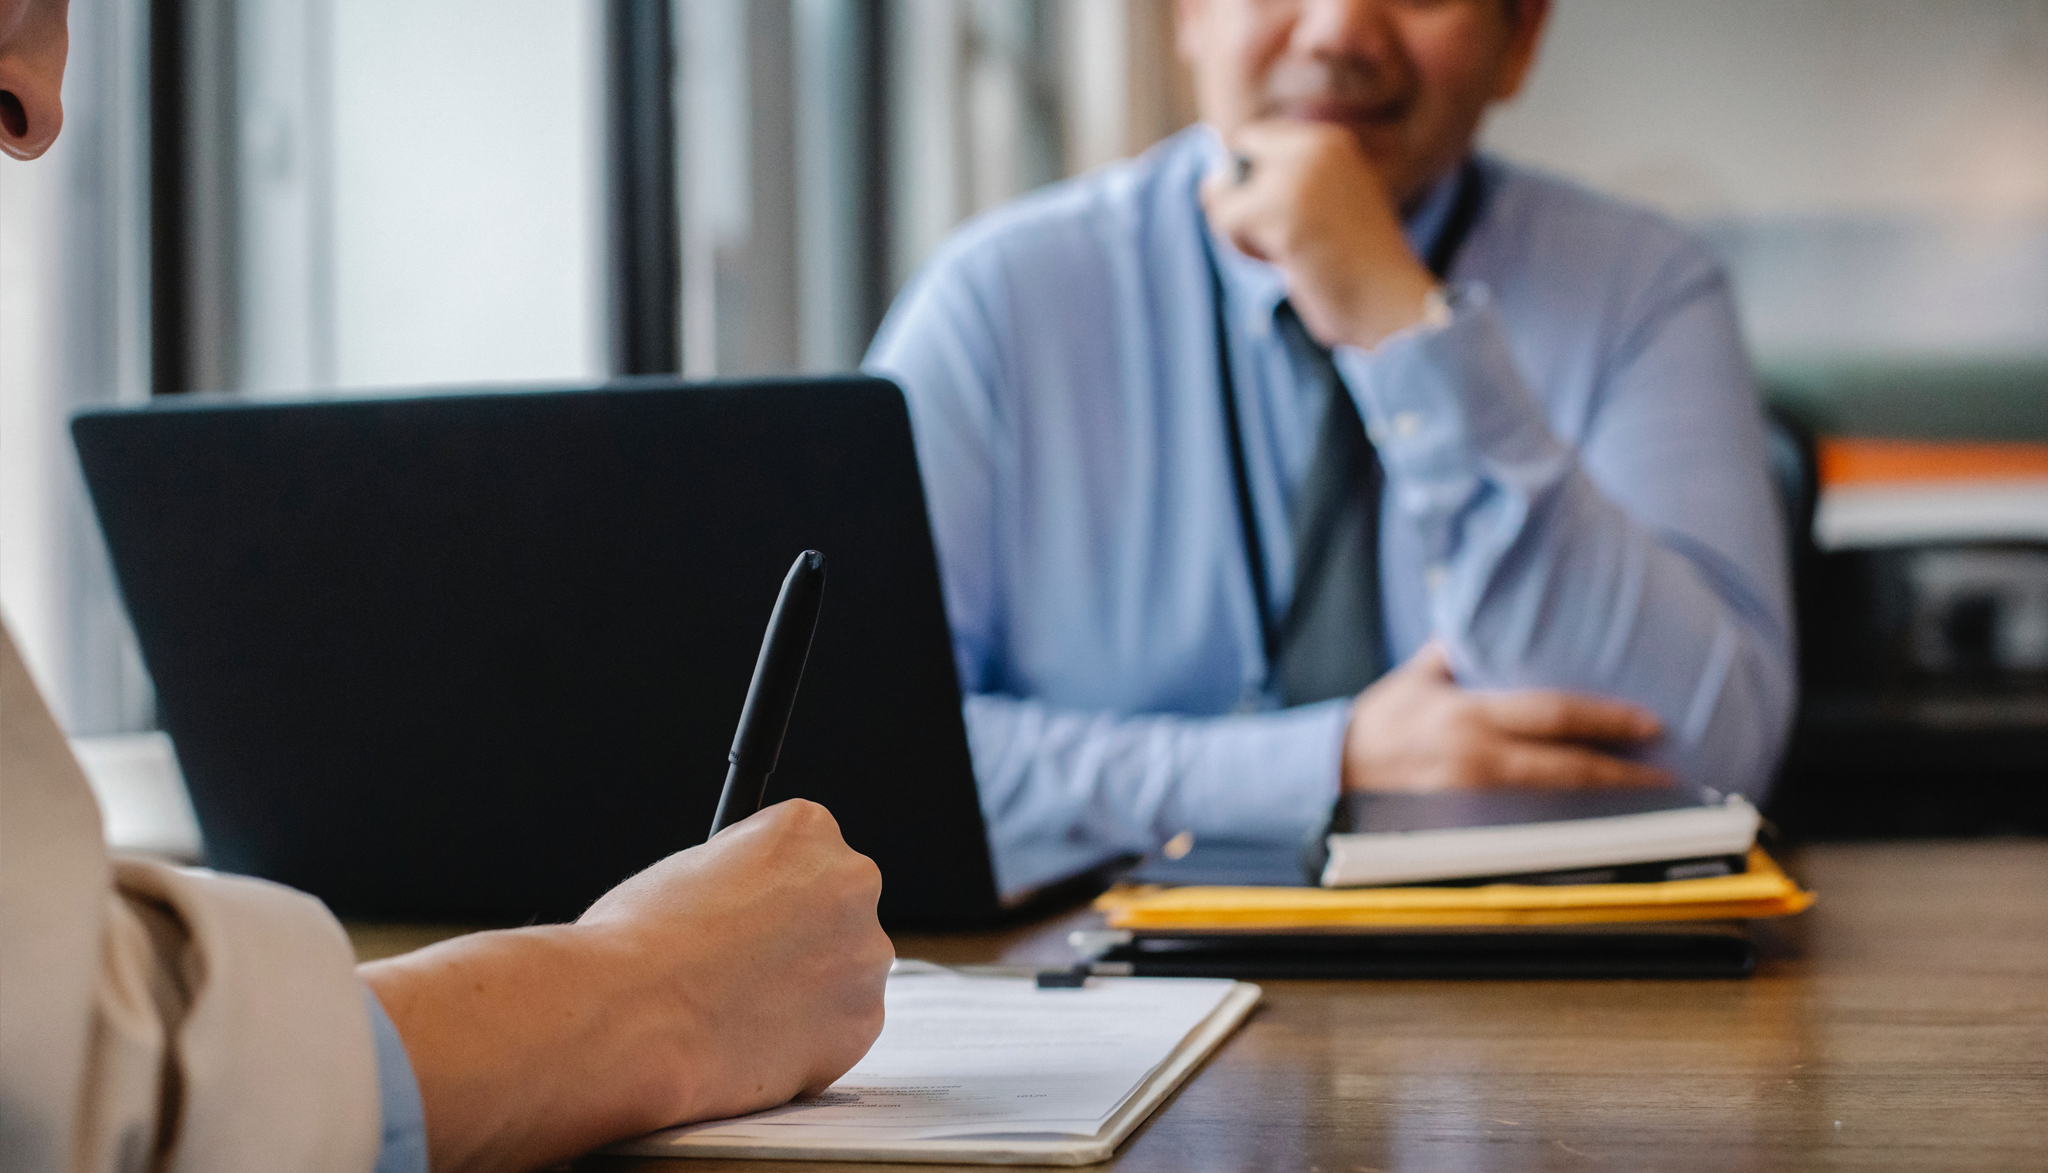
1685,949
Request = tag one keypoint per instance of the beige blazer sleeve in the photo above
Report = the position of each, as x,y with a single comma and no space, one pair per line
155,1017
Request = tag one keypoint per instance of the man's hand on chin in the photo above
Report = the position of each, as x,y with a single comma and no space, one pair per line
1304,197
1416,730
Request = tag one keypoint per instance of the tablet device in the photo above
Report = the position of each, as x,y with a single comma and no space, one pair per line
477,655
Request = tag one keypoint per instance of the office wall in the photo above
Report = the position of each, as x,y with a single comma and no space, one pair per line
991,98
415,198
421,192
74,332
467,191
1125,87
1875,170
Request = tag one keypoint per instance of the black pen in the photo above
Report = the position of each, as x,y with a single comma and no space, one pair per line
771,696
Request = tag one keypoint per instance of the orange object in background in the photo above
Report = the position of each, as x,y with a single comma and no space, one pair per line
1849,460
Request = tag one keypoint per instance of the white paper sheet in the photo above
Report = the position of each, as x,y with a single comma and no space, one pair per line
981,1056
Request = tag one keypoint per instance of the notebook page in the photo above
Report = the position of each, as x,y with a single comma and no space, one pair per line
987,1056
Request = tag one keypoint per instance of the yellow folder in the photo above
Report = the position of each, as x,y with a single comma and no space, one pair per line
1762,891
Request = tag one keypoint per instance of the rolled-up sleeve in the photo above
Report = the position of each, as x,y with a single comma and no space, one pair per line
156,1017
229,1031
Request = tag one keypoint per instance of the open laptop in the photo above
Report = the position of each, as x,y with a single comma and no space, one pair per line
477,656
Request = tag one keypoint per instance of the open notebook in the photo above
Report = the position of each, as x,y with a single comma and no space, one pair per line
992,1070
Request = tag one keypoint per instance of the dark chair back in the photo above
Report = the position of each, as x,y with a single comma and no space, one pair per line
1795,474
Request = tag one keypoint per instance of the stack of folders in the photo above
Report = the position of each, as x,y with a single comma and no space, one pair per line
1477,884
989,1069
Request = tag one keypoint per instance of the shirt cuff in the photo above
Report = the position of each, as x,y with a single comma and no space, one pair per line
404,1147
1063,792
1265,777
1446,403
1451,418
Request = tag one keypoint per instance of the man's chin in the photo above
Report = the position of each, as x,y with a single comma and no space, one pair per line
1385,147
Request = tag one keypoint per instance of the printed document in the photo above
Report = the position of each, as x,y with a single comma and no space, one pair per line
963,1057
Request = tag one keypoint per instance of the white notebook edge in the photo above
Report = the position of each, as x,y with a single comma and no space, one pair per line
1401,857
1200,1043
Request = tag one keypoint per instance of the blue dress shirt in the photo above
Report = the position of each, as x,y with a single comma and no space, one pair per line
404,1149
1576,497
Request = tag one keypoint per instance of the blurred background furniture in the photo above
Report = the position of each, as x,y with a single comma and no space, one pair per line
1922,588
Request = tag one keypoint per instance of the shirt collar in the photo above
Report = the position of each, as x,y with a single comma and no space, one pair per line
1256,289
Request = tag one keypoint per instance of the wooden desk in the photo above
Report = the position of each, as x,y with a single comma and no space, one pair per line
1901,1024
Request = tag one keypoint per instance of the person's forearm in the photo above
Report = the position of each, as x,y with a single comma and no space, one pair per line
1064,789
721,980
1539,580
531,1045
1628,617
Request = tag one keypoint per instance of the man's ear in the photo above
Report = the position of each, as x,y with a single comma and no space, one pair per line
33,44
1528,19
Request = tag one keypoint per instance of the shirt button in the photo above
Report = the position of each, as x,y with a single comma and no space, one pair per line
1435,576
1407,423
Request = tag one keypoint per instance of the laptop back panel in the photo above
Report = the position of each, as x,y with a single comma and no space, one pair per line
479,657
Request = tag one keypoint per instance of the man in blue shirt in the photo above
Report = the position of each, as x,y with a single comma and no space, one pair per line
1311,452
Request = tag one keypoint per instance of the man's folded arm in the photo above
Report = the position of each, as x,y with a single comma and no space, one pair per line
1646,565
1065,790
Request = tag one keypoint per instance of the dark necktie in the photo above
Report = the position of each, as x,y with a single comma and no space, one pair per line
1331,642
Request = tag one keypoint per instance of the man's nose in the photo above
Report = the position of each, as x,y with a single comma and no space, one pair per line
1349,28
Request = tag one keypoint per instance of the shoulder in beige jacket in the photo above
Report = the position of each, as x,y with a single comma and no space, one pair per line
155,1017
